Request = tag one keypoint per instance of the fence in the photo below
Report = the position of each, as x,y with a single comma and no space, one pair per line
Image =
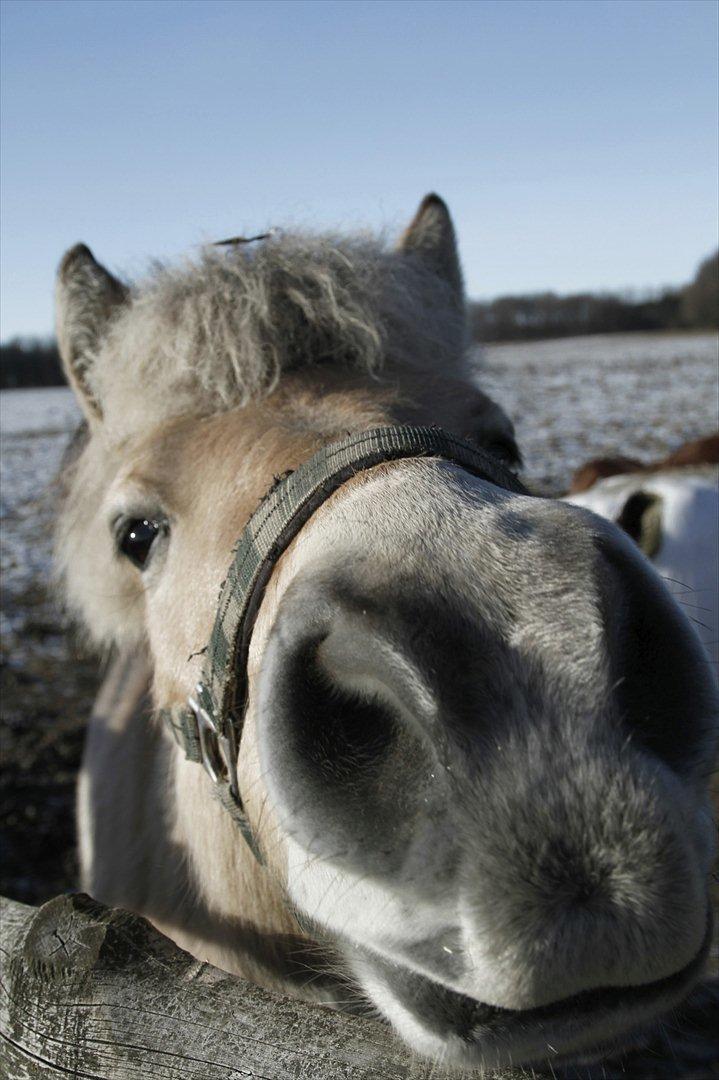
98,994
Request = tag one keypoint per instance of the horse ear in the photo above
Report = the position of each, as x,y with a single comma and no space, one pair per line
641,517
86,299
431,236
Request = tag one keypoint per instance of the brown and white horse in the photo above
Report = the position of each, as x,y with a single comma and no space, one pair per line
670,508
690,455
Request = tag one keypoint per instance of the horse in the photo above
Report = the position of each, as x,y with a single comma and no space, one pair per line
476,728
672,513
690,455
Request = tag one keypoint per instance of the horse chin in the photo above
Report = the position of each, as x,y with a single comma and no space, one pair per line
458,1030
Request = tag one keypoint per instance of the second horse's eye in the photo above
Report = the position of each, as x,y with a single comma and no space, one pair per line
136,540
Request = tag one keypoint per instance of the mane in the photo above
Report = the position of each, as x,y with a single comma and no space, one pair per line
220,330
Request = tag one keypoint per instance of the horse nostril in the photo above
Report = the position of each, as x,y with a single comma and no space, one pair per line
338,732
587,892
590,890
337,705
658,669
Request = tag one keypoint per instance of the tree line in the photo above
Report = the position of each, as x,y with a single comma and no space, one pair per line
547,315
35,361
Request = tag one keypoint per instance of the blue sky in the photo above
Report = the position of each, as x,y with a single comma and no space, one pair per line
575,142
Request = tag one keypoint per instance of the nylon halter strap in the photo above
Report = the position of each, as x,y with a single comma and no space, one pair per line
209,729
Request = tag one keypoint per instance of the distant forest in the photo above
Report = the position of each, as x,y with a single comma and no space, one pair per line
35,362
547,315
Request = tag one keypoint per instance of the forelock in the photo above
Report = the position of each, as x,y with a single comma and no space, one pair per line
220,330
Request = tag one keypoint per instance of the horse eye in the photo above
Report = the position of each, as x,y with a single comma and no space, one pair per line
136,539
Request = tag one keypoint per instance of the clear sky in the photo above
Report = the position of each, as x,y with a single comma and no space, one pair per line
575,142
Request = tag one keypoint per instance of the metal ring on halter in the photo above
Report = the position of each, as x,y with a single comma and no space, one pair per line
218,751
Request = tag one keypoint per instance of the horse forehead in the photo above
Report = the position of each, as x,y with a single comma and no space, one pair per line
287,428
192,451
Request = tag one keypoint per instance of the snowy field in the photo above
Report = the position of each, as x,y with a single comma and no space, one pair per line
570,399
49,410
641,395
35,427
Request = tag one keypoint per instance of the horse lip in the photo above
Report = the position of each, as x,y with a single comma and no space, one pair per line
589,1002
481,1027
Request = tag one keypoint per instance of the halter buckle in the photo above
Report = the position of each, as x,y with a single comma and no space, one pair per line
218,748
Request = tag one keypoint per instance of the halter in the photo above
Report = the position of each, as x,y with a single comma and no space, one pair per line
210,727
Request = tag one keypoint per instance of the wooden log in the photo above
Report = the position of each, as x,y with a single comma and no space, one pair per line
98,994
93,992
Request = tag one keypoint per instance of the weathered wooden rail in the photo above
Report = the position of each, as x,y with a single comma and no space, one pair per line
98,994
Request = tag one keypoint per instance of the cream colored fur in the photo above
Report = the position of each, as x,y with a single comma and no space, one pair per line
200,385
187,417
